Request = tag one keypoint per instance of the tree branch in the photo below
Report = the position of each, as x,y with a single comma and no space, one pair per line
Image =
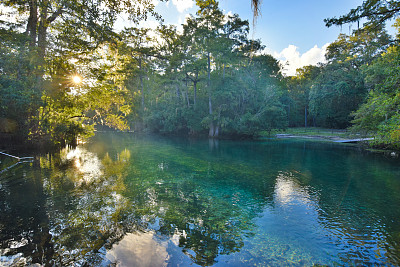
81,116
55,15
378,11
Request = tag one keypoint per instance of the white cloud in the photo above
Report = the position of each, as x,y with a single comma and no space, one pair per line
181,20
152,24
291,58
124,21
182,5
155,2
227,15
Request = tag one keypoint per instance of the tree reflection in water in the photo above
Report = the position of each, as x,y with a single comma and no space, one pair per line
122,200
87,207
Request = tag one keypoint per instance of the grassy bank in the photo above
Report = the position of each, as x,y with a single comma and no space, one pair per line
316,132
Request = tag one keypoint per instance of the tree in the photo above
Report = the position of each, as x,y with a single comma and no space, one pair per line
339,89
375,11
91,22
210,23
209,78
380,115
69,110
336,92
361,47
297,102
16,82
58,39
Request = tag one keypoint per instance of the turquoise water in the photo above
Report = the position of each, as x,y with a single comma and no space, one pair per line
130,200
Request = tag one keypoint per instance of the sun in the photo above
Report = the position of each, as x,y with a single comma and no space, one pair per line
77,79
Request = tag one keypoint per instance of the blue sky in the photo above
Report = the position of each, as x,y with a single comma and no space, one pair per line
292,30
295,22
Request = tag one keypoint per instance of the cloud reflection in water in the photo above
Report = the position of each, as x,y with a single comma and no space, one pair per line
87,163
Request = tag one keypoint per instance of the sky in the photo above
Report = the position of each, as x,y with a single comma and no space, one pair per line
293,31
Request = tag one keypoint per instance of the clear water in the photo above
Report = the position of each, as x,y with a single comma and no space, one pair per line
128,200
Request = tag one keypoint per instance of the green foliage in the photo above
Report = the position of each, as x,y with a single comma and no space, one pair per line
51,42
337,91
380,114
375,11
361,47
296,98
327,95
19,97
208,79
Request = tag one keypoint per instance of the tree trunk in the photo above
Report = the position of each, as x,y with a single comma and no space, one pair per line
178,93
32,22
305,116
208,69
211,132
195,93
187,96
216,131
42,31
141,81
195,88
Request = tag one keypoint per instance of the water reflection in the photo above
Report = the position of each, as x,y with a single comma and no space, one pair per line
90,207
289,192
92,204
132,202
139,249
81,204
288,230
85,162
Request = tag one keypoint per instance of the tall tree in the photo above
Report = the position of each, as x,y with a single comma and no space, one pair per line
361,47
64,38
93,21
336,92
210,25
297,103
339,89
375,11
380,115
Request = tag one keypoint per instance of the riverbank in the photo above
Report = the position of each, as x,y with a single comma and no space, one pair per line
320,133
335,135
335,139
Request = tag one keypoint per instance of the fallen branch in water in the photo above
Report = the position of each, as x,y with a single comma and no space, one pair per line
12,166
18,158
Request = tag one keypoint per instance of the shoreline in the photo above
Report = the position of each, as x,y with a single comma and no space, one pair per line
332,138
361,142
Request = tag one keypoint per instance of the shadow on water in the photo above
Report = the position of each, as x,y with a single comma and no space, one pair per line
149,201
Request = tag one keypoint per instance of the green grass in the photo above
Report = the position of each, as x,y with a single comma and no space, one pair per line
315,131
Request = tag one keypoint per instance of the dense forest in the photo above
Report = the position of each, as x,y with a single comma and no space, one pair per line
65,71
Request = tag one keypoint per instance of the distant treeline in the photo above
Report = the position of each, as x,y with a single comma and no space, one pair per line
208,78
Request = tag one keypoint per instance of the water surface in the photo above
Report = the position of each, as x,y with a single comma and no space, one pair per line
129,200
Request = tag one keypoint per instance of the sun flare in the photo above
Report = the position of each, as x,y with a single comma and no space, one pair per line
76,79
